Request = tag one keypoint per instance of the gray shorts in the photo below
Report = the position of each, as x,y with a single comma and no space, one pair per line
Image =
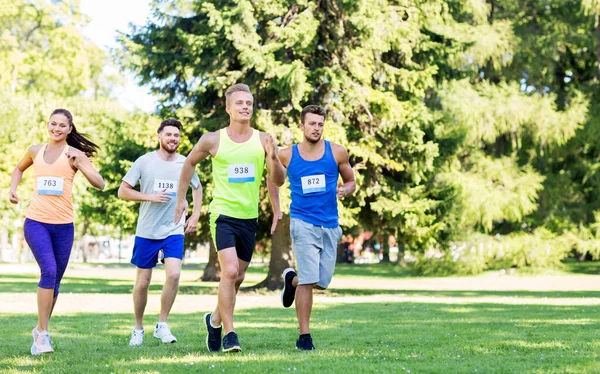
315,248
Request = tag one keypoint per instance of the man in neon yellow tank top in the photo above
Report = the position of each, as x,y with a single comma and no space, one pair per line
238,155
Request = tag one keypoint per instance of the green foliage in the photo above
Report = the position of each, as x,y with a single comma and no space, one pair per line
540,249
46,63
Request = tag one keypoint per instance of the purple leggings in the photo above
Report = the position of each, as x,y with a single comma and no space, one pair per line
51,246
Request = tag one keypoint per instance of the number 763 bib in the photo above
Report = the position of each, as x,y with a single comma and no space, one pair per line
50,186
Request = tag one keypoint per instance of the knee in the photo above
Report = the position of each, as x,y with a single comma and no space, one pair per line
230,273
48,278
142,283
173,276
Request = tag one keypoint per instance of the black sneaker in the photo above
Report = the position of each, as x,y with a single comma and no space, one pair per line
289,291
304,343
213,338
231,343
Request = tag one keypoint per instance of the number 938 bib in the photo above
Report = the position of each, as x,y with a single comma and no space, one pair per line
240,173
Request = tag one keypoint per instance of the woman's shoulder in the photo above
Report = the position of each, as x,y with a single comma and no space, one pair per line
34,149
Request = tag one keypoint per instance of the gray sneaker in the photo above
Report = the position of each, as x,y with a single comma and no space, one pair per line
41,342
163,333
137,338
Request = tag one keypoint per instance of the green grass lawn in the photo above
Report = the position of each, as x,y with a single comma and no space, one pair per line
365,336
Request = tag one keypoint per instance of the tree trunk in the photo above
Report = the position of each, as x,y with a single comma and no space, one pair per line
282,256
385,246
212,271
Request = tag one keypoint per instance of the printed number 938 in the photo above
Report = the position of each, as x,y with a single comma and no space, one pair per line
241,170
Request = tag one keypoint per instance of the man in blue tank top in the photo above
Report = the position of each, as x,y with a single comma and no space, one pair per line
313,168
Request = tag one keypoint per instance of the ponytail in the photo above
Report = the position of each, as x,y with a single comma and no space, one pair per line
76,139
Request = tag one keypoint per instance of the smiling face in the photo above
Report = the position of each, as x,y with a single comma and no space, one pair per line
240,106
312,127
169,139
59,127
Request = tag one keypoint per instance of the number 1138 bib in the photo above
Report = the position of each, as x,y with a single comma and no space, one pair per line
169,186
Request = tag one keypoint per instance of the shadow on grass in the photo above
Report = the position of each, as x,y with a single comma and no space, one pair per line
28,284
421,337
582,267
94,285
461,293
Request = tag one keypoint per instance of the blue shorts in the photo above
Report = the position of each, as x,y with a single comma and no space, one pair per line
145,251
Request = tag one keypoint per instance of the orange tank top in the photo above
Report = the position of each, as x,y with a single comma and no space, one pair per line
51,200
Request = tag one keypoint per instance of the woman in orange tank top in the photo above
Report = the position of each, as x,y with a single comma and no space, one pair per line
48,225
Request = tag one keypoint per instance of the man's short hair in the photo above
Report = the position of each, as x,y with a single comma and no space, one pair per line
314,109
238,87
169,122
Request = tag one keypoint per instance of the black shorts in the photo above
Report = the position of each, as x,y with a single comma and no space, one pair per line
230,232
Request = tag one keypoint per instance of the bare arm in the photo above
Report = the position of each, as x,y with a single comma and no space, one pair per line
201,150
284,157
192,223
81,162
276,172
274,197
17,173
343,159
127,192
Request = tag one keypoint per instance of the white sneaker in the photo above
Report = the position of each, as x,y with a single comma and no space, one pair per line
164,334
137,338
41,342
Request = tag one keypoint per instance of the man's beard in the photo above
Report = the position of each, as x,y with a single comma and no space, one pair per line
167,147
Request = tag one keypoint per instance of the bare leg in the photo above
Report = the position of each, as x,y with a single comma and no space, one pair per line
243,266
53,305
45,302
233,271
140,295
169,291
304,301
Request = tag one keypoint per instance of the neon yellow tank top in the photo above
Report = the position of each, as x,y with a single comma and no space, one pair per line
237,173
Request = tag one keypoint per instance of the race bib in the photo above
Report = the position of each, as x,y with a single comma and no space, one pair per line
313,183
50,186
240,173
169,186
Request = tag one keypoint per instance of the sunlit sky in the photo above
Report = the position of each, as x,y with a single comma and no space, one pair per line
108,17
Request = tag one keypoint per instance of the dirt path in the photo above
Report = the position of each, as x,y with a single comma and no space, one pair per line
452,290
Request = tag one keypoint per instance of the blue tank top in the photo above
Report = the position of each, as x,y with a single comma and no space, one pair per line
313,186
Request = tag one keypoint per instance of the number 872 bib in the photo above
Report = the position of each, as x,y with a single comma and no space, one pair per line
313,183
